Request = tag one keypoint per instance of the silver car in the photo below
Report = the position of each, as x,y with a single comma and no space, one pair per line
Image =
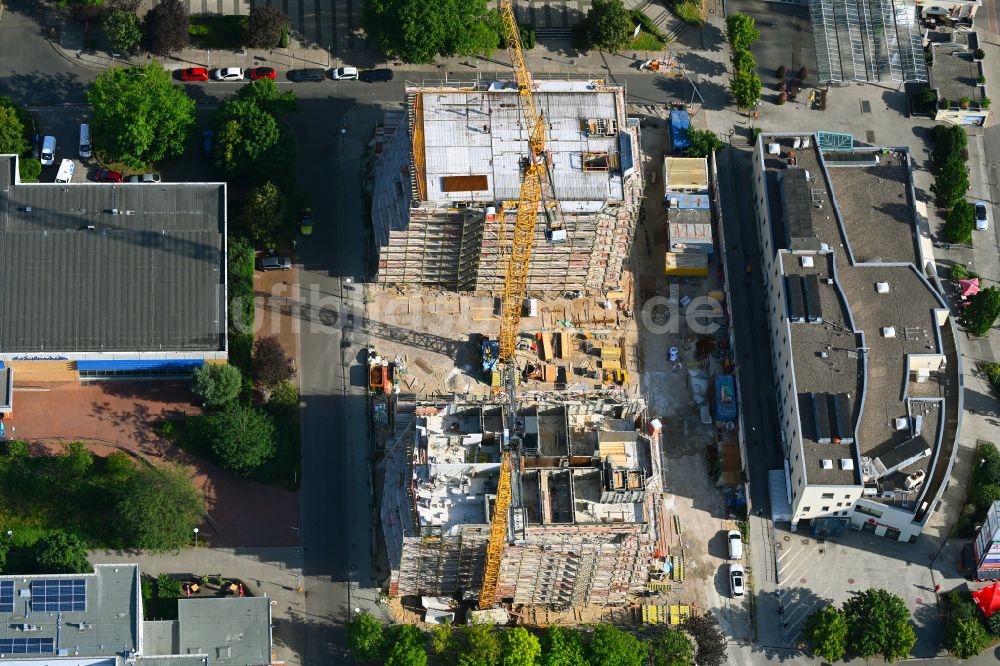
274,263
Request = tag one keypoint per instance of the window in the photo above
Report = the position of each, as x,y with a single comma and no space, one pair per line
861,508
806,508
827,495
824,509
840,504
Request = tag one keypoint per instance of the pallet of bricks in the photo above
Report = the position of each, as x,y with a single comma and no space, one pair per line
673,614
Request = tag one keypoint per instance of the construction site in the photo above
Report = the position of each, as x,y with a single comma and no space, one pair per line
520,474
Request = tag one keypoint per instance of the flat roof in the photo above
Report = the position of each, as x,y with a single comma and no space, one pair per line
229,630
955,74
685,173
96,267
878,310
476,140
107,625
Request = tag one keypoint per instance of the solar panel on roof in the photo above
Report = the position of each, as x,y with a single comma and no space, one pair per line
58,595
6,596
26,645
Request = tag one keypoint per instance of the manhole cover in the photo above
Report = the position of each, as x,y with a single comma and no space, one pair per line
802,580
786,538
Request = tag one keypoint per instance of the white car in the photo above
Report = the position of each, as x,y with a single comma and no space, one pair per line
344,74
982,216
735,542
229,74
737,580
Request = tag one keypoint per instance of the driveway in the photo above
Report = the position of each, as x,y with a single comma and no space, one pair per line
120,415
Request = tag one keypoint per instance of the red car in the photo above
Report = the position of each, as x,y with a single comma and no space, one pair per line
262,73
109,176
195,74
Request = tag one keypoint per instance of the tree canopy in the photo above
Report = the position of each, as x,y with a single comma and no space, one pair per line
982,311
165,28
217,383
740,31
708,638
264,27
826,632
670,647
159,507
251,140
702,143
745,88
366,637
60,552
519,647
122,30
271,365
951,182
266,218
609,25
949,141
878,622
243,437
481,647
138,115
11,132
416,31
407,647
610,646
563,646
960,222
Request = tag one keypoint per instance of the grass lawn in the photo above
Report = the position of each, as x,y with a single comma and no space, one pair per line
646,42
689,12
217,32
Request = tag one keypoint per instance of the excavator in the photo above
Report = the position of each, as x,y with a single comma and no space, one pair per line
536,191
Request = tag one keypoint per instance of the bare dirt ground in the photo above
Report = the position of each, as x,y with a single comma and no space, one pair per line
120,415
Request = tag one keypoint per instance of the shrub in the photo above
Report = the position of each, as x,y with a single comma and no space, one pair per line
242,437
965,637
803,73
960,222
965,102
217,383
944,103
958,272
283,42
981,80
985,102
528,36
690,12
168,588
981,314
782,97
29,169
979,54
271,365
782,71
781,86
265,27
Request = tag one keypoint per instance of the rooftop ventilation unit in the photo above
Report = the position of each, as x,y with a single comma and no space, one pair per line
902,423
882,287
807,262
889,332
826,464
846,463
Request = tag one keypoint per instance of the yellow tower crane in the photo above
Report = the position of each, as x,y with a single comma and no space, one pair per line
535,185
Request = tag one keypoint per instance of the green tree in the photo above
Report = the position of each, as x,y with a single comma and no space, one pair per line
481,646
960,222
740,32
60,552
951,182
745,88
826,632
519,647
984,496
366,637
878,622
245,137
168,587
993,624
982,311
75,463
11,132
266,217
217,383
563,646
965,637
949,141
284,401
264,27
271,365
243,437
122,30
444,642
28,168
670,647
416,31
610,646
407,647
708,638
266,94
139,116
702,143
158,508
609,25
743,61
166,27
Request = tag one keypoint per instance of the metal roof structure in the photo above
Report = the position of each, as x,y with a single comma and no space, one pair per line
867,41
96,267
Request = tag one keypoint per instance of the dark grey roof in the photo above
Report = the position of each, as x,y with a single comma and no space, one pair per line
230,630
148,275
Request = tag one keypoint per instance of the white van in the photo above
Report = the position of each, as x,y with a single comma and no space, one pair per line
49,151
85,150
66,169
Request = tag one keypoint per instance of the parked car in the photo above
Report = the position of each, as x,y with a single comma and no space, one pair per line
195,74
344,74
207,140
373,75
737,579
229,74
310,74
106,175
734,542
275,263
262,73
145,178
48,151
982,216
306,222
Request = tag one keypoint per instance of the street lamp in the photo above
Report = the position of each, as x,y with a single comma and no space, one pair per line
196,530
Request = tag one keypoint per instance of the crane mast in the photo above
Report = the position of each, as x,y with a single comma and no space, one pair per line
536,185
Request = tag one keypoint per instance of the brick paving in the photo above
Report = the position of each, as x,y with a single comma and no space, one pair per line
120,415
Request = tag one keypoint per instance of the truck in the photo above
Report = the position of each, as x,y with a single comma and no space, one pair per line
66,170
680,122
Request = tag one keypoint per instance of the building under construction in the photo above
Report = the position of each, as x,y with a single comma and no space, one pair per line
585,525
446,187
